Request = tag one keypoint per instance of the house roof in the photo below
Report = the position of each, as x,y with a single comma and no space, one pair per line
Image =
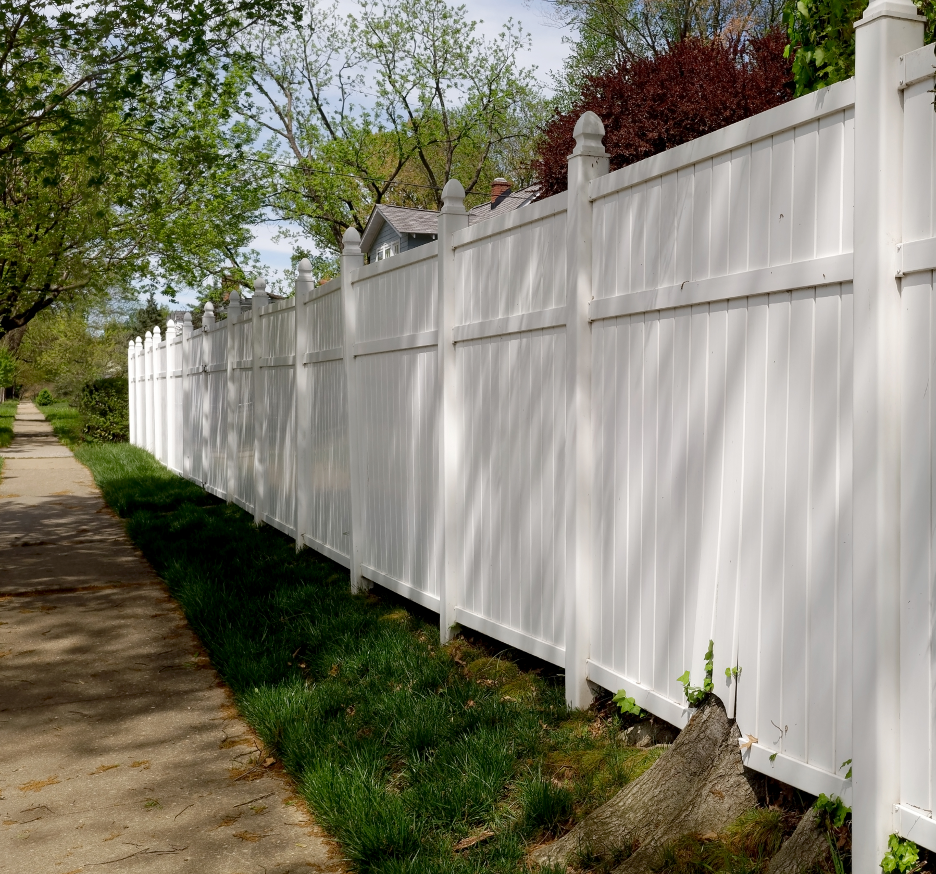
402,219
405,220
506,203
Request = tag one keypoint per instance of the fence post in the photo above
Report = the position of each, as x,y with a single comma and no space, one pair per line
887,30
185,462
230,399
131,391
204,381
148,389
587,161
302,415
140,399
351,261
258,300
158,411
453,218
170,394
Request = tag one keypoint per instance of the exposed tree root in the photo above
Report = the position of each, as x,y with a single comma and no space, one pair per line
698,786
807,849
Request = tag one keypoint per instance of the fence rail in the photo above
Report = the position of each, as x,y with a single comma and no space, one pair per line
686,401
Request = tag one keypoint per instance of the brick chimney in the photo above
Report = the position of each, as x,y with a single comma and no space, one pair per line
500,188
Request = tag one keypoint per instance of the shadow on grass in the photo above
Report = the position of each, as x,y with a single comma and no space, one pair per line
399,749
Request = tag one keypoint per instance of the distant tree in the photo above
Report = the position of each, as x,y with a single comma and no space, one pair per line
7,371
606,33
118,160
649,105
384,106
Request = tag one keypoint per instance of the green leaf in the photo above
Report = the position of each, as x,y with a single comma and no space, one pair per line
683,679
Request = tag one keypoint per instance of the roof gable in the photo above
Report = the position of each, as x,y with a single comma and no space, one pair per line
405,220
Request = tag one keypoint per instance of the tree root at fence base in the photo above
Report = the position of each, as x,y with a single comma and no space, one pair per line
699,786
807,849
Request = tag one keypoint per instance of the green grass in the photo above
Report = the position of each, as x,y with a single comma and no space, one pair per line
745,847
66,422
402,748
7,412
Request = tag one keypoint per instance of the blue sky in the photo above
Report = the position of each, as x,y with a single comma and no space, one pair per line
547,54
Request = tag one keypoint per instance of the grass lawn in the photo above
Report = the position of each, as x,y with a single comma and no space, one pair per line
415,757
66,422
7,412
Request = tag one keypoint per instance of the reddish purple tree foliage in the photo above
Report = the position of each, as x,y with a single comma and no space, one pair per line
651,105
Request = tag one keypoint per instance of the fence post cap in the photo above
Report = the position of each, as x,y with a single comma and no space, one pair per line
305,267
260,285
157,332
234,299
149,335
138,341
352,242
131,344
187,319
588,134
453,197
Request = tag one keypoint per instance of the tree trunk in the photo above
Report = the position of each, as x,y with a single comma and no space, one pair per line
698,786
805,850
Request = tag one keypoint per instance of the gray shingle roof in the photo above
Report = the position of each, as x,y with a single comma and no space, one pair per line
425,221
508,203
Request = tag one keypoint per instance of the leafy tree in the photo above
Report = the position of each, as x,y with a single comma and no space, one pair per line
821,37
609,33
69,345
7,371
652,104
384,107
118,156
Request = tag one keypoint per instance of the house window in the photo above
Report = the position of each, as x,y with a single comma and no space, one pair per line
388,250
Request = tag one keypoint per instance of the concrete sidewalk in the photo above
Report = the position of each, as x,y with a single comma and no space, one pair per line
119,746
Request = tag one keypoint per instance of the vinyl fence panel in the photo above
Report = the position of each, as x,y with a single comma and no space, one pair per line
675,404
329,528
395,364
510,360
276,391
917,259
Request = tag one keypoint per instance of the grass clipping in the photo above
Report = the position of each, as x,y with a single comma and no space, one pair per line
699,786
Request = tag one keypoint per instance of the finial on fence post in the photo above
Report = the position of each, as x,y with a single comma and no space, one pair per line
260,297
589,133
351,242
234,305
170,329
148,340
157,335
453,198
208,317
305,281
187,325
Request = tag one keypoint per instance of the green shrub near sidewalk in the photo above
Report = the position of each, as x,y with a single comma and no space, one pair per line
414,756
105,406
44,398
100,415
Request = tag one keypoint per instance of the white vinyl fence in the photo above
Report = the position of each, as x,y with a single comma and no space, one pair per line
688,400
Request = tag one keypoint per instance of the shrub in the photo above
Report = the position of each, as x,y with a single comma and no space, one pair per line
44,398
652,104
104,405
